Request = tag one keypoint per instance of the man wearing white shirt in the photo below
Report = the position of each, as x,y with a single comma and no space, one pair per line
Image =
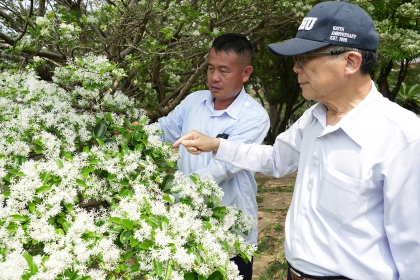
227,111
355,209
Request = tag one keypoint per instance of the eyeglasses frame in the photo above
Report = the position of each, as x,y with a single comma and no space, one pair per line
299,58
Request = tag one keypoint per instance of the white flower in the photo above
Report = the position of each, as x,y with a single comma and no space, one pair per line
42,21
92,19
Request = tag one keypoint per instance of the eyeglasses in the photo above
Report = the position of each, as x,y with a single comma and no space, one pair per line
300,59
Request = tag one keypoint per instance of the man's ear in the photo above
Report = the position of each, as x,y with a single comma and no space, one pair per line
353,62
246,73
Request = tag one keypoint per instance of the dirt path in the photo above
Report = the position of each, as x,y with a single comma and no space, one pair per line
274,197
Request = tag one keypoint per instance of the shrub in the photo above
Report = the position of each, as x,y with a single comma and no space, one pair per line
84,194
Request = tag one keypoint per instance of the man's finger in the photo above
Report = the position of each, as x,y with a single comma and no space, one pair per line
193,150
189,136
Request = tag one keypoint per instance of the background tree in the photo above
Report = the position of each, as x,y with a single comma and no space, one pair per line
162,45
409,97
398,27
276,87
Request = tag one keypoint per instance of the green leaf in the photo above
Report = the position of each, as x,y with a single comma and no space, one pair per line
152,221
128,225
93,162
139,147
124,147
81,183
133,242
68,155
125,182
224,245
43,189
59,162
100,129
137,136
19,218
195,178
69,207
127,255
66,226
158,267
164,224
125,236
32,266
110,140
31,207
88,170
126,135
122,267
114,220
215,276
127,122
145,245
45,177
167,182
12,227
190,276
135,267
169,198
168,273
100,141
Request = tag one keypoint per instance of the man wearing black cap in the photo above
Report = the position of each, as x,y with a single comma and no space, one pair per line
355,209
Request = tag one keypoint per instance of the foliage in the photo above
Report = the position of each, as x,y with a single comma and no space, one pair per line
84,194
409,97
161,45
276,87
397,24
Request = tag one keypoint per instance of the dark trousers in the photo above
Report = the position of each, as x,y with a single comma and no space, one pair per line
245,269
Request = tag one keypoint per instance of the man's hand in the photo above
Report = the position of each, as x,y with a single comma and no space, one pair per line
196,143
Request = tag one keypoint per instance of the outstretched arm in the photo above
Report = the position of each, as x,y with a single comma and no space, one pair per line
196,143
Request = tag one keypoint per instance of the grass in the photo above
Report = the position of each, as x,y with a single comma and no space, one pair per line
271,239
276,270
271,243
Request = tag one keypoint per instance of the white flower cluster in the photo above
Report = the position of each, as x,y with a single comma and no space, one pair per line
81,194
92,70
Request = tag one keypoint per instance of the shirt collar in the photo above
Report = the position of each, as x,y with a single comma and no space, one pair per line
233,110
356,124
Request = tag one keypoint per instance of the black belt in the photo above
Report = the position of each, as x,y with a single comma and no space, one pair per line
298,275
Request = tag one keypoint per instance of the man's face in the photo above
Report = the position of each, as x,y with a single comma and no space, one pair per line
226,73
320,77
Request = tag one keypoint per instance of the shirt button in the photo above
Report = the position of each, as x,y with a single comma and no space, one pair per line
316,162
310,186
302,211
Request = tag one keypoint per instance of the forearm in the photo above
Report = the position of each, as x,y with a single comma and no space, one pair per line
256,158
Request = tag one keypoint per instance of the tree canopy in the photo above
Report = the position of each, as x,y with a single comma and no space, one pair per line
161,45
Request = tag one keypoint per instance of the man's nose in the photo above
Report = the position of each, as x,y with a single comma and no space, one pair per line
297,68
215,76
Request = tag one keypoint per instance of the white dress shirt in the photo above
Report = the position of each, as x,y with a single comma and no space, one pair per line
245,120
356,205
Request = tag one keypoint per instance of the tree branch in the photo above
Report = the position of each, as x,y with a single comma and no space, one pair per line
166,109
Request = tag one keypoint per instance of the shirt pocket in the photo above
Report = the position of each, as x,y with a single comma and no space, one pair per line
340,196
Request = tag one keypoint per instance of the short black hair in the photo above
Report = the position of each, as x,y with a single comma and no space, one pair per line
234,42
369,58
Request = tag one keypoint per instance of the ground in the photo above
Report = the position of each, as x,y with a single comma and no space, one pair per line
274,197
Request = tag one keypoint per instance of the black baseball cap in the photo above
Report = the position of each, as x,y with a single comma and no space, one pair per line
331,23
